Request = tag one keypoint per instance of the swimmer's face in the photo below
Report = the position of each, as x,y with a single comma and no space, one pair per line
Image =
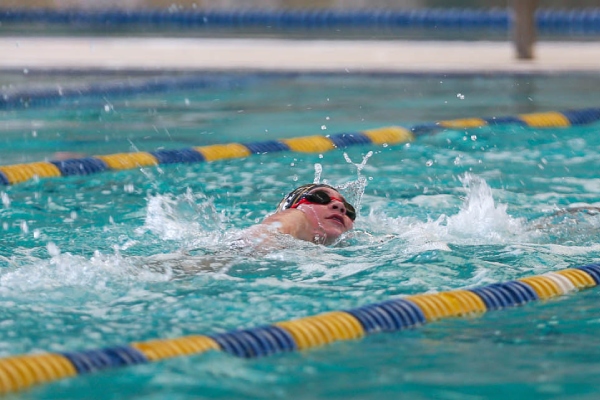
330,220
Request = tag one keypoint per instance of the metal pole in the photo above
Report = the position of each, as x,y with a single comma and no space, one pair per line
523,27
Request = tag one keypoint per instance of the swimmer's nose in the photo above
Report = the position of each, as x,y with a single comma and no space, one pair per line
338,205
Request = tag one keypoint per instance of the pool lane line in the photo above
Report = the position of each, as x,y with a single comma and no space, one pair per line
154,82
49,95
581,21
392,135
23,371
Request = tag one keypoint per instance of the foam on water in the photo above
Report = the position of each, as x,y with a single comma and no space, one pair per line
478,221
205,236
67,279
380,243
189,218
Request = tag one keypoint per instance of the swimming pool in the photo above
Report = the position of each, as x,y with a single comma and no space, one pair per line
90,262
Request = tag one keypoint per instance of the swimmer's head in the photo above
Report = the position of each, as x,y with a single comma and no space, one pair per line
310,193
293,197
327,213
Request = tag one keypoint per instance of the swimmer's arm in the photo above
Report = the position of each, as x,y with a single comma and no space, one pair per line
291,222
288,222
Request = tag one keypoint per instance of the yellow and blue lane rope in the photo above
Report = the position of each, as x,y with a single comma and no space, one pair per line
13,174
23,371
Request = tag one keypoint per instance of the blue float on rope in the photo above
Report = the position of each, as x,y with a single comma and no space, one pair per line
95,360
80,166
177,156
343,140
593,270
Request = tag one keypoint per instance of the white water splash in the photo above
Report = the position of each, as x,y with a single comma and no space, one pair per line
104,274
190,218
479,221
361,166
480,218
354,190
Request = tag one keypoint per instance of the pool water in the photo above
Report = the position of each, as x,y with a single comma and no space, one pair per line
118,257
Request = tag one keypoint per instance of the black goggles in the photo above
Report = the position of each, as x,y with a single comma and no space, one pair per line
322,197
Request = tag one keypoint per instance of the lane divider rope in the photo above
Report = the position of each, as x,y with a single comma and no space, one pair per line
22,371
393,135
582,20
51,95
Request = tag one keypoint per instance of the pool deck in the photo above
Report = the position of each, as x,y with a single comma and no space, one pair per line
188,54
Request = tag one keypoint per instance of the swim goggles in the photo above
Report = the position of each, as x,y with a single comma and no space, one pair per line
321,197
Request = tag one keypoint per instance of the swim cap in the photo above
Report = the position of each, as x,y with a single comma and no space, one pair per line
294,196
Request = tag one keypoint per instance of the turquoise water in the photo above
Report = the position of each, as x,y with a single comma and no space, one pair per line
118,257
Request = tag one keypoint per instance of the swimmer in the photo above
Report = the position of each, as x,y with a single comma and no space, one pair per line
316,213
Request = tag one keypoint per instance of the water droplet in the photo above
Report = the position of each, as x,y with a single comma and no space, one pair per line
24,227
473,137
53,249
5,200
323,127
318,172
460,96
36,233
429,163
